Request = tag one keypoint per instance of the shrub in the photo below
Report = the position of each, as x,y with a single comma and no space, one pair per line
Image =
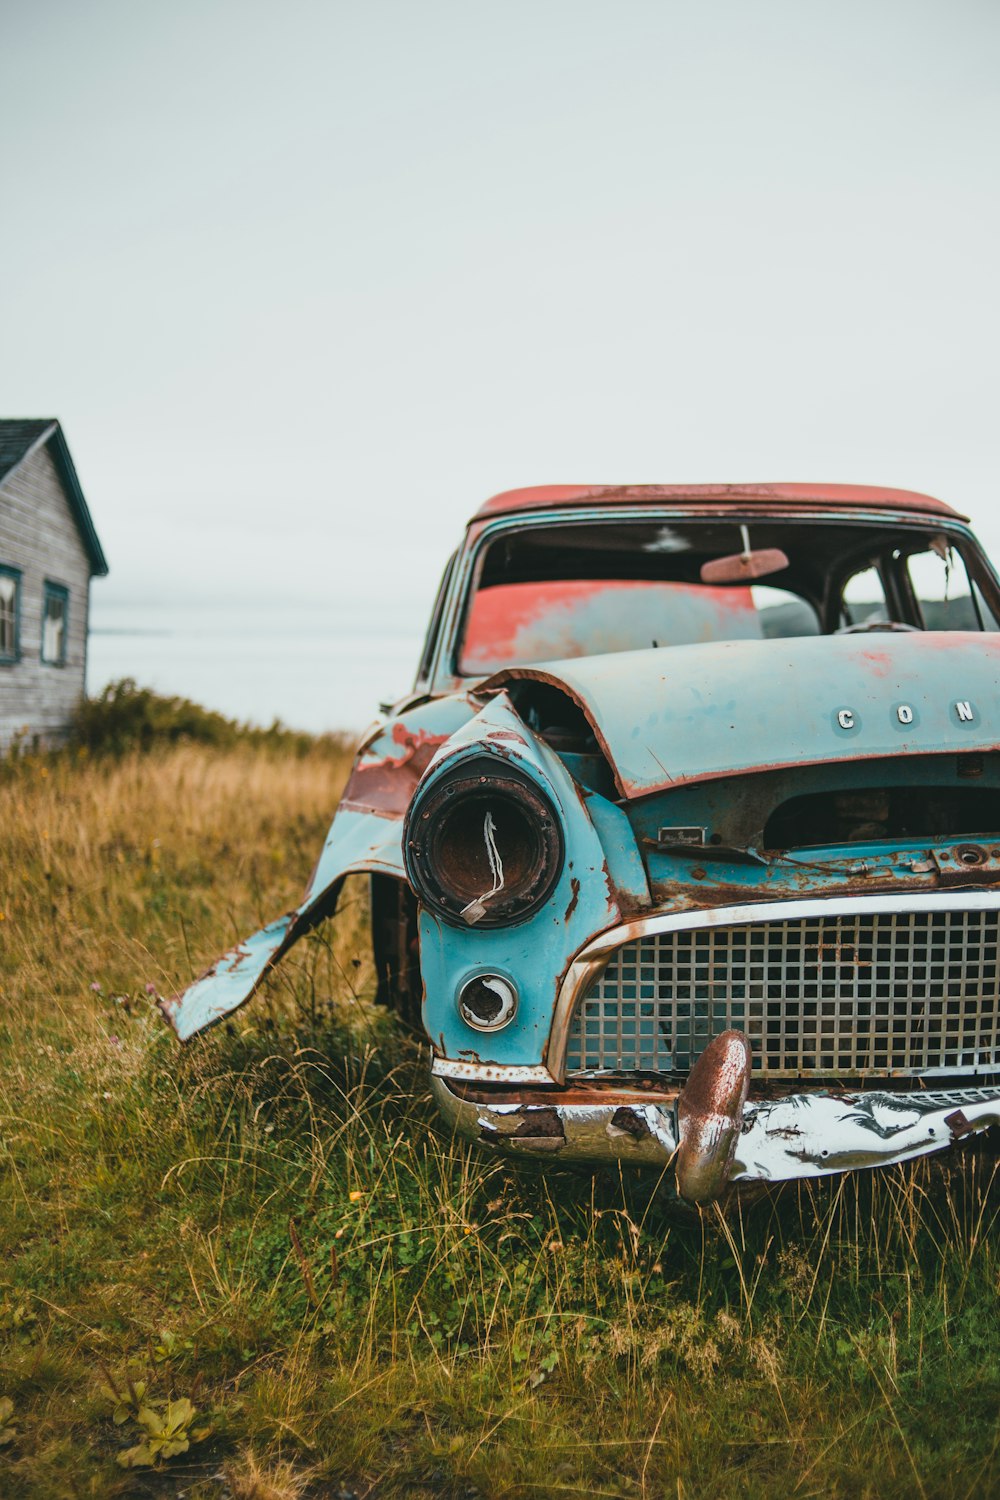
126,717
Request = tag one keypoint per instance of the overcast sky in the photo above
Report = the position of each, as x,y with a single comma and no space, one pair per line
306,282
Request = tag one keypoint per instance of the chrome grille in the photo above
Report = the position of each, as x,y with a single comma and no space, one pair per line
842,994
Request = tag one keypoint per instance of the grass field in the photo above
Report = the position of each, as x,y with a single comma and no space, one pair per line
271,1226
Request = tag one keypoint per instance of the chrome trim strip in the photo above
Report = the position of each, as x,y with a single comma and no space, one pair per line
476,1072
594,955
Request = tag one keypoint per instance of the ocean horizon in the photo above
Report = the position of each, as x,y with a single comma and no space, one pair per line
309,666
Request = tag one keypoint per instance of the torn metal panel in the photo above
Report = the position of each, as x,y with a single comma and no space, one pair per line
365,838
396,752
358,843
231,980
388,768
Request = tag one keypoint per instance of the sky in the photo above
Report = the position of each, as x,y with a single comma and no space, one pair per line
306,283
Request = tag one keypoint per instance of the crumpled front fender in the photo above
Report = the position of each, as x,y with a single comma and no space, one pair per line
365,838
358,843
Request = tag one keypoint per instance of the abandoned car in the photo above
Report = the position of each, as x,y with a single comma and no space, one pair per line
685,847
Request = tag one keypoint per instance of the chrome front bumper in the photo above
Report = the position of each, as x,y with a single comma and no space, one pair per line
812,1134
714,1131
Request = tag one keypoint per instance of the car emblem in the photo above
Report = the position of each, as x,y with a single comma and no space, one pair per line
964,711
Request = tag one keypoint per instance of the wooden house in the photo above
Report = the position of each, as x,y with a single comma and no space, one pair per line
49,552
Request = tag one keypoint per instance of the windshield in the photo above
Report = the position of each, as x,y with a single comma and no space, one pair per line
547,593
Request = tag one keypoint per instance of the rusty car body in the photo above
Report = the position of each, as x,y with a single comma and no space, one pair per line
685,848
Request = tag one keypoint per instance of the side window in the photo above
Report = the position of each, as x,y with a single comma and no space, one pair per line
862,601
55,613
10,613
433,630
943,591
782,613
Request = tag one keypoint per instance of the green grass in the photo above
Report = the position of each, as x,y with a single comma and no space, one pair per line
272,1223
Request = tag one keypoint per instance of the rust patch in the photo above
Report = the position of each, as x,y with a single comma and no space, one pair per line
718,1081
958,1124
574,886
386,786
538,1128
539,1123
710,1117
629,1123
637,1090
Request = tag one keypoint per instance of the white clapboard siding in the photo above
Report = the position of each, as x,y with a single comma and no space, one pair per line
39,535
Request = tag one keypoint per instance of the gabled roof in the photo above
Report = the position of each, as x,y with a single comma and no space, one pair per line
19,438
782,498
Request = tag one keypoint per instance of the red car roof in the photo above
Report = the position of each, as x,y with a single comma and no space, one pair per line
721,497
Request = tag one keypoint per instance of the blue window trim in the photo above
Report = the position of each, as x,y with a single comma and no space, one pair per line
7,660
54,591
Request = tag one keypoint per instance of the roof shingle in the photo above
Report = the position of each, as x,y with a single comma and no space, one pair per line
18,435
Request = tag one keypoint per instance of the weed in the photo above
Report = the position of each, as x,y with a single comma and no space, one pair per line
168,1432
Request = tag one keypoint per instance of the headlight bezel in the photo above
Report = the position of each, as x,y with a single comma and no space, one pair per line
445,848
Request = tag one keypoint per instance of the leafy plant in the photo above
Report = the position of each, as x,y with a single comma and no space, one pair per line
167,1425
170,1346
127,1401
168,1432
7,1433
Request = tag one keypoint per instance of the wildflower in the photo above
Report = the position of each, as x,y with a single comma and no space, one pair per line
150,988
95,986
356,1196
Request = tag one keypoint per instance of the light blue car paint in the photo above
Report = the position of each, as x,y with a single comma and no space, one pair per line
690,713
534,953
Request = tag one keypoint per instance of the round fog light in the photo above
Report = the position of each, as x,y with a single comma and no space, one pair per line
487,1002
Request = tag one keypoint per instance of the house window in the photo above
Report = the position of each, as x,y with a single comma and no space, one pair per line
54,620
10,613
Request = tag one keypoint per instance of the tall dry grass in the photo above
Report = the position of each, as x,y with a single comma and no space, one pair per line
271,1222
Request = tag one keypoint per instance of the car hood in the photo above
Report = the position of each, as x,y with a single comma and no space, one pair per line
673,715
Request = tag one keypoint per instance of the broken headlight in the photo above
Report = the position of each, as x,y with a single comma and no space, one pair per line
483,845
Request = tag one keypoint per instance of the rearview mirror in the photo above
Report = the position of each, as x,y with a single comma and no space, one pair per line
743,567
